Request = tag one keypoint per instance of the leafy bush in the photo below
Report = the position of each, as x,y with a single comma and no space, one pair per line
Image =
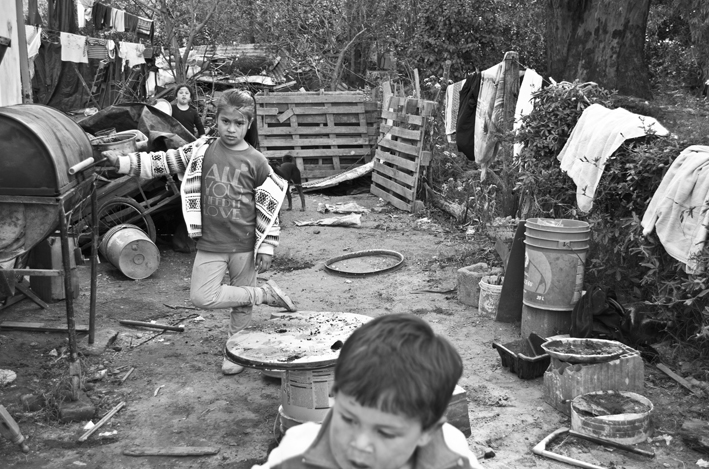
543,189
636,267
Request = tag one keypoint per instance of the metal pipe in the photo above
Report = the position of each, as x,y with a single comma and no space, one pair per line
94,260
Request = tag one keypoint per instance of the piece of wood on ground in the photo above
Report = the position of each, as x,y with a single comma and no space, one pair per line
172,451
127,375
38,327
695,434
100,423
127,322
662,367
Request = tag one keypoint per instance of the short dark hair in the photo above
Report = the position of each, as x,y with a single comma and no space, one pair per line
396,363
287,158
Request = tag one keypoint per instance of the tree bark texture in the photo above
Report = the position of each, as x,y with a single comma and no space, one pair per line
601,41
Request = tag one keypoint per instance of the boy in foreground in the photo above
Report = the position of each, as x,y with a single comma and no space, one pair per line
393,381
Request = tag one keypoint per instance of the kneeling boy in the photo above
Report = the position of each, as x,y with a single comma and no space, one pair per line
393,381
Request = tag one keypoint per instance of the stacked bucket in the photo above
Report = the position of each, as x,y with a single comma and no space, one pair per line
554,265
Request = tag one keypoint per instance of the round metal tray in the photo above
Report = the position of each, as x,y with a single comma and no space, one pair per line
331,268
606,356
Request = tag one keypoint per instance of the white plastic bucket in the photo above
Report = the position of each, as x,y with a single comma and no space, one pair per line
305,395
489,295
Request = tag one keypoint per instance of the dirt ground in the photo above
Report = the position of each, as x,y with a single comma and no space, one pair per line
197,406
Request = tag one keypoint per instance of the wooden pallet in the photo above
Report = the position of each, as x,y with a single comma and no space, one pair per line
400,151
327,133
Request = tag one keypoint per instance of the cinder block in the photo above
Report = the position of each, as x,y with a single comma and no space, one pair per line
77,411
564,381
457,412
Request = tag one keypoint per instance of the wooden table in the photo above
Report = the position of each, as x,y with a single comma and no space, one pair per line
305,345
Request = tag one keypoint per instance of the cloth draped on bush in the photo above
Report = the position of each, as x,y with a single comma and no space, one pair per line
678,209
598,133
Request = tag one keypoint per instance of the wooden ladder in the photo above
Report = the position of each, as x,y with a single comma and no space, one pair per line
99,83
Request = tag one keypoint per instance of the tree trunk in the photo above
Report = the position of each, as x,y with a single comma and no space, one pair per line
601,41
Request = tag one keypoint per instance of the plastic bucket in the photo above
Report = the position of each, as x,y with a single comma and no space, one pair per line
129,249
489,296
554,265
305,395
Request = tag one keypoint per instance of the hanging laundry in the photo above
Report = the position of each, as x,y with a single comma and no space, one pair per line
118,20
97,48
33,17
132,53
452,107
111,47
34,41
531,83
131,22
465,125
73,48
101,15
62,16
489,116
598,133
145,27
676,210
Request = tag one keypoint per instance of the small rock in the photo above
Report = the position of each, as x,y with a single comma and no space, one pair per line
7,377
489,453
316,231
32,402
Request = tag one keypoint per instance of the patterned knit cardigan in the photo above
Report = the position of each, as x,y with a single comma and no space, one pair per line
186,162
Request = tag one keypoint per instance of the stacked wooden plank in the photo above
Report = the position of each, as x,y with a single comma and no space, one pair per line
400,154
327,133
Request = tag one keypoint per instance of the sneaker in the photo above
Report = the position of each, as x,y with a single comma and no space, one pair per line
274,296
230,368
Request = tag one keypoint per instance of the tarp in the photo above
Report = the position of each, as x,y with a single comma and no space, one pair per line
131,116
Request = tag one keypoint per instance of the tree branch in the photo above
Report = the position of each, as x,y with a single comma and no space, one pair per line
340,59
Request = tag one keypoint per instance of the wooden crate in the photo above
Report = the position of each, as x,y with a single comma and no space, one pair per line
400,155
327,133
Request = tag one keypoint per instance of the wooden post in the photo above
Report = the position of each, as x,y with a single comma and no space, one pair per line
24,58
417,84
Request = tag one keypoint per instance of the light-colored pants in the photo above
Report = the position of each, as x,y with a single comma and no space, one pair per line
207,290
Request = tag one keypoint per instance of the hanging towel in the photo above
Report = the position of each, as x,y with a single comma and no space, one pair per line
597,135
452,107
132,53
73,48
119,20
531,83
465,126
489,116
145,27
677,211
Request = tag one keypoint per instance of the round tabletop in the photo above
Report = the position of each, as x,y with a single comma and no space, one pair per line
304,340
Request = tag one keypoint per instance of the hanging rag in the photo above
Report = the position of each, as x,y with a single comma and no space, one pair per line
118,20
97,48
677,211
452,107
598,133
33,17
62,16
132,53
130,22
73,48
111,48
465,126
531,83
489,116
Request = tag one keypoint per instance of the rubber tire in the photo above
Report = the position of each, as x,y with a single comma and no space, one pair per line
136,216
